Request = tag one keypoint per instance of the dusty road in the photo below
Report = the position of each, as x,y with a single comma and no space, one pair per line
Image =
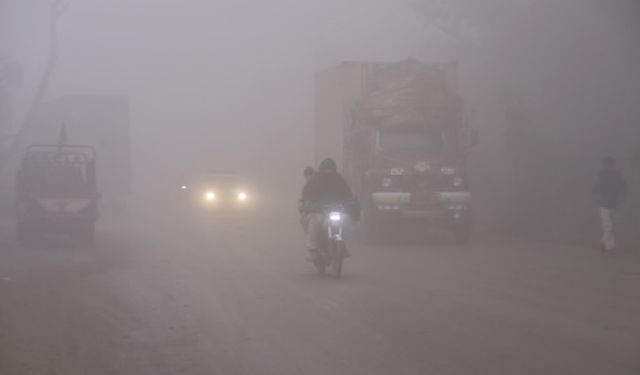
185,296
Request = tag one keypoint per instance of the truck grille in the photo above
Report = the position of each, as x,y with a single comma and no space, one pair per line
421,182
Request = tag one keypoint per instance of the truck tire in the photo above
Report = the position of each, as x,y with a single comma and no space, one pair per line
86,235
462,232
371,228
28,233
22,233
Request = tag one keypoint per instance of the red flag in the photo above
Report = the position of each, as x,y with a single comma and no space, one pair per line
62,139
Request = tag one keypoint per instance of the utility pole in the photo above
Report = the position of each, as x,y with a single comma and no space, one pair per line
10,80
5,106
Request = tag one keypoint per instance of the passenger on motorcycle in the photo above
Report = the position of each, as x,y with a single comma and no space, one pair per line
325,187
308,173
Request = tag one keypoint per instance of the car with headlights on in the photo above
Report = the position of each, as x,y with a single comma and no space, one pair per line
217,192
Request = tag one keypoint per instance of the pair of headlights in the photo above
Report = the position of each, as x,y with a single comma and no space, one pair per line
210,196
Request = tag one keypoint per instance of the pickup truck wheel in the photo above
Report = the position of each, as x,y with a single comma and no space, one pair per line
27,233
86,235
462,232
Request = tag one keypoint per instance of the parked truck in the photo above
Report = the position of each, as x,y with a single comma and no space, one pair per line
100,121
398,133
56,192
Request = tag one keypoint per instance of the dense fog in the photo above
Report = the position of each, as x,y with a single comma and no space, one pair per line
550,86
155,219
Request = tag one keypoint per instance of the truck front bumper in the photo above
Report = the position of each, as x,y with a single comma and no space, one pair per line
59,221
439,206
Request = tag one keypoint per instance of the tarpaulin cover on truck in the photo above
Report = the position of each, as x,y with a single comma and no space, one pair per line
409,93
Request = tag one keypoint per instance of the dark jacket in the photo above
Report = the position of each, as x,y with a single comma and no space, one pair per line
610,188
327,188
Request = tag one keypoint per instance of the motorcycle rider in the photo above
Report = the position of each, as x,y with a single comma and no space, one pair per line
325,187
609,192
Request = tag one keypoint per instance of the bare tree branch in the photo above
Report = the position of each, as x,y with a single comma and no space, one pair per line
56,10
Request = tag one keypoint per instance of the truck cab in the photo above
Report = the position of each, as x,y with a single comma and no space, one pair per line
412,172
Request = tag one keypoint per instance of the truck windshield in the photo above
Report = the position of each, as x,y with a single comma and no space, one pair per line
58,178
221,180
411,139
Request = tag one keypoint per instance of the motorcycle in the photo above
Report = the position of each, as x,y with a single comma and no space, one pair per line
333,250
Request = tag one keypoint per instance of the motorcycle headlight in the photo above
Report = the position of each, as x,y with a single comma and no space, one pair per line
210,196
335,216
183,187
242,196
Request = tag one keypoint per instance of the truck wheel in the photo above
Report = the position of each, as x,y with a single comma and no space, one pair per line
321,267
23,233
27,233
371,228
86,235
462,232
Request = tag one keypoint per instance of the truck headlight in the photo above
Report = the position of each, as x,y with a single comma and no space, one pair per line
457,181
447,170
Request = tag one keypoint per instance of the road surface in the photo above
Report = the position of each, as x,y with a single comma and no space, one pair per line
178,295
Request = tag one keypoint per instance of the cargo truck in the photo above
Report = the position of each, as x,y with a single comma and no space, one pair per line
99,121
56,192
398,134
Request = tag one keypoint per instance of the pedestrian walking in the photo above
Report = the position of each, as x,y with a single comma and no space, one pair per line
609,191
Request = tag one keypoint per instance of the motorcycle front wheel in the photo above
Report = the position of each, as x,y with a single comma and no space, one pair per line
337,257
320,265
